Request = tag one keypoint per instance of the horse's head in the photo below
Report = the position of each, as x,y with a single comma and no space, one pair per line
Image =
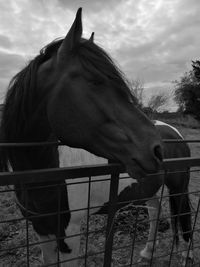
90,106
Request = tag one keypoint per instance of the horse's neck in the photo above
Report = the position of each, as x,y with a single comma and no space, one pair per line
36,129
35,157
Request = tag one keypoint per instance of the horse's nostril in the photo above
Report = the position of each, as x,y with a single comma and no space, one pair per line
158,152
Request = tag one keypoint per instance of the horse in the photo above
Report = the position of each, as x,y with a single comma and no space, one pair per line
73,92
144,193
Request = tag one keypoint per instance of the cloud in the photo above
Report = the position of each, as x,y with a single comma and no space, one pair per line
10,65
163,43
154,40
8,61
90,6
5,42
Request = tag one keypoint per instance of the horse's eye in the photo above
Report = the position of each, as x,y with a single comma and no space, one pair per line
97,82
74,74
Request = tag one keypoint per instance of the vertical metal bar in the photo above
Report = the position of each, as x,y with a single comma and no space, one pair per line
135,234
88,217
178,215
58,229
114,183
26,217
172,249
193,229
157,222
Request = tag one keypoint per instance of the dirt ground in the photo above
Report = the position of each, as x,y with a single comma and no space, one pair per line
14,234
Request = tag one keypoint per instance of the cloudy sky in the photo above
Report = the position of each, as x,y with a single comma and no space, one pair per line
151,40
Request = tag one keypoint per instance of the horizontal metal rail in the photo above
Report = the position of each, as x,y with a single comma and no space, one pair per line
181,140
53,174
59,143
31,144
180,163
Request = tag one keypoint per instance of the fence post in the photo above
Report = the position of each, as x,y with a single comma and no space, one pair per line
114,183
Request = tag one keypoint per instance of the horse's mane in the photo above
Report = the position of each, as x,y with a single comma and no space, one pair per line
21,99
96,61
19,104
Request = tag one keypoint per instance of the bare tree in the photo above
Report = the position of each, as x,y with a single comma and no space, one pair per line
137,89
156,102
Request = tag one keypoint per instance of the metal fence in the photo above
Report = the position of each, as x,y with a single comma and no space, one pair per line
18,242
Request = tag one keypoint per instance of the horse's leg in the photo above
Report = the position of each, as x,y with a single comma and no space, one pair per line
181,211
49,245
153,207
49,250
186,227
187,254
73,241
50,253
70,259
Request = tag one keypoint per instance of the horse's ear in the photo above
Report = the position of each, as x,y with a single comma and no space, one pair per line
91,39
73,36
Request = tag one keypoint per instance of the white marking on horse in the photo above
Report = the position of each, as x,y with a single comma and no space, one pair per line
156,122
49,249
187,256
10,169
153,206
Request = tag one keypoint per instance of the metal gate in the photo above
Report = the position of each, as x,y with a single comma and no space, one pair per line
111,253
